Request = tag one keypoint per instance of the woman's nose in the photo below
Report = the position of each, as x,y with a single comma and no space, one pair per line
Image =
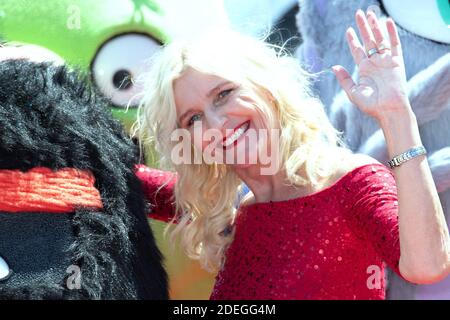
215,120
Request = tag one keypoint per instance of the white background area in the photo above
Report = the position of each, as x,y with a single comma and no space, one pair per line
248,16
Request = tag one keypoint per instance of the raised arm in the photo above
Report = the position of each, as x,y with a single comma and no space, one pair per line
381,93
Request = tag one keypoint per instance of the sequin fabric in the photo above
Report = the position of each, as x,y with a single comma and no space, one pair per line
332,244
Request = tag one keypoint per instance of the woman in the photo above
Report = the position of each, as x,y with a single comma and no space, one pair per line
320,224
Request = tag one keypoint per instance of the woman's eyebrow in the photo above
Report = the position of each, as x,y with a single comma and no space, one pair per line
213,90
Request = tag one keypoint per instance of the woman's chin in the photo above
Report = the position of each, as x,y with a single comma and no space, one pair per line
241,166
242,157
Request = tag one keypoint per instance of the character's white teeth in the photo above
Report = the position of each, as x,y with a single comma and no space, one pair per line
235,135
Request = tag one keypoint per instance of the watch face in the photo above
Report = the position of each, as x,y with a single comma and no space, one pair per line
429,19
4,269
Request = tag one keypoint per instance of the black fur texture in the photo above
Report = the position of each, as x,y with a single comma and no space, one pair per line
50,117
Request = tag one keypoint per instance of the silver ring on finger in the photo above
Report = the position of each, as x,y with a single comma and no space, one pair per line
382,47
371,52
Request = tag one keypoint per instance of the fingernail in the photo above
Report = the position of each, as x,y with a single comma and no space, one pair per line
374,9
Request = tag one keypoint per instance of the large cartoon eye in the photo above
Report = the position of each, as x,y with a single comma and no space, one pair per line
119,63
429,19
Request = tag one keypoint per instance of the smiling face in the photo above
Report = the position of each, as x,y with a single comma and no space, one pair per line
224,109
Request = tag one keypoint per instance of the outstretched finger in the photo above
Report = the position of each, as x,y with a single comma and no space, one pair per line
355,46
365,31
396,47
376,28
345,80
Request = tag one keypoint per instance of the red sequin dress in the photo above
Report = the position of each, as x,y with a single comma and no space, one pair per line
331,244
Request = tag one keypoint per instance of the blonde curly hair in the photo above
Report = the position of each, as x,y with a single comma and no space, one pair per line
206,194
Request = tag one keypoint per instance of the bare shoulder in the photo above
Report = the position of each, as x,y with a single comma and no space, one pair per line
356,160
349,162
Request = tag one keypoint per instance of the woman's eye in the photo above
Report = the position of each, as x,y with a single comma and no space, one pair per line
194,118
224,93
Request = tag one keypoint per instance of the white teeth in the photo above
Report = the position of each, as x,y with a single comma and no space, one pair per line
235,135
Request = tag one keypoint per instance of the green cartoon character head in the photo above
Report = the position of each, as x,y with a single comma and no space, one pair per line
111,40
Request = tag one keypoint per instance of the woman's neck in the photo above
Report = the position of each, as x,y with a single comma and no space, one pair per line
265,188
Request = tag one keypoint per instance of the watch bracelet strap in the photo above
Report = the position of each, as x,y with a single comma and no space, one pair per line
407,155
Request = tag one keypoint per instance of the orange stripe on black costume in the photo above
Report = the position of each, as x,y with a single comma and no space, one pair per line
43,190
